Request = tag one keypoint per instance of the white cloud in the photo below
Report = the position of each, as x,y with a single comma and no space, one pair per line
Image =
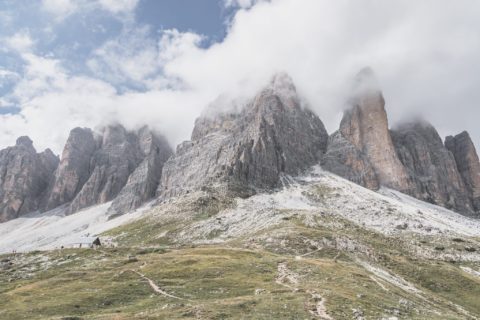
243,4
6,18
60,8
119,6
7,77
53,102
20,41
5,74
424,53
135,57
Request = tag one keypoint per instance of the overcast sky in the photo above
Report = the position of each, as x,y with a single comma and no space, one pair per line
67,63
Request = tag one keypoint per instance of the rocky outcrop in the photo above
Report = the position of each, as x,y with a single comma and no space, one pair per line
345,160
431,167
365,140
74,168
241,152
97,167
142,184
116,157
24,178
468,165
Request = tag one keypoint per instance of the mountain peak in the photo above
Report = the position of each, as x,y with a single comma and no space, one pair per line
24,141
366,82
365,126
282,81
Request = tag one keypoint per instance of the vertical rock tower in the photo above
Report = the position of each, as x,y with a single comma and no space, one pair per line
431,167
468,164
362,150
24,178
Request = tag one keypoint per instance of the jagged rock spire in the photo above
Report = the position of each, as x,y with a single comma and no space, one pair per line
74,169
113,164
24,141
468,165
24,177
431,167
365,127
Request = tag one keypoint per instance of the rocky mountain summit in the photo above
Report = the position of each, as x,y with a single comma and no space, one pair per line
143,182
411,159
95,167
243,150
24,177
370,157
431,166
245,221
463,149
273,135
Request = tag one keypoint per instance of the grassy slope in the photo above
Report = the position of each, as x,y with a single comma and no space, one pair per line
243,278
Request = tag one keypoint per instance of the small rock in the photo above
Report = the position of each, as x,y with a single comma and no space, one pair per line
260,291
402,226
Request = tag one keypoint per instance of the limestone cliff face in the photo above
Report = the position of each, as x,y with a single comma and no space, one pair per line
24,178
431,166
74,168
468,165
241,152
345,160
142,184
112,164
365,136
116,157
94,168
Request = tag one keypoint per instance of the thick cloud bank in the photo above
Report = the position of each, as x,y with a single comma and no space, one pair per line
425,54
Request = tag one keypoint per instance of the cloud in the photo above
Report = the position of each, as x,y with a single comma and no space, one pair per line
7,77
425,55
60,8
20,41
243,4
6,18
118,6
5,74
53,101
136,58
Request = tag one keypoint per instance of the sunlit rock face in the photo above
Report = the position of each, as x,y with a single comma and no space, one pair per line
431,166
24,177
365,137
468,165
272,135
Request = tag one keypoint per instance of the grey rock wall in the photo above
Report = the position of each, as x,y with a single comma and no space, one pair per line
242,152
24,178
431,166
468,165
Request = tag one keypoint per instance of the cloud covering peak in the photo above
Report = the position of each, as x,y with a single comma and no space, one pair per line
425,56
